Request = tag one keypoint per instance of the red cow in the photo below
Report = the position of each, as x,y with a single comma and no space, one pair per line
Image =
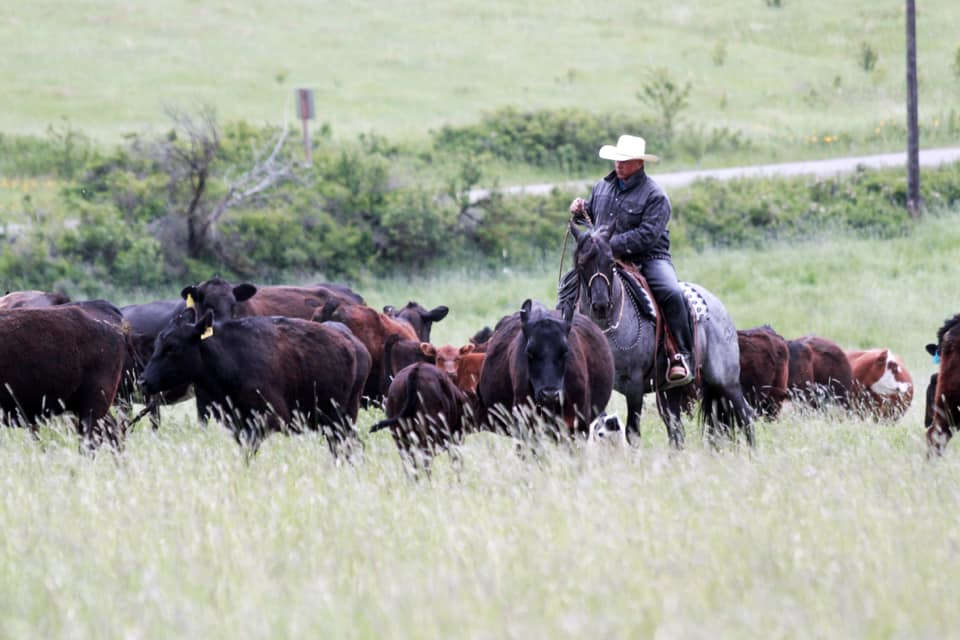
882,385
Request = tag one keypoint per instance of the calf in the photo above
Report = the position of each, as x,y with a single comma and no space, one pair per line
61,359
264,372
946,397
882,386
561,364
31,300
426,413
244,300
764,369
460,363
418,317
373,329
832,376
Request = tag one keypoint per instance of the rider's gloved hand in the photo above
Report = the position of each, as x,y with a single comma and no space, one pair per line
578,209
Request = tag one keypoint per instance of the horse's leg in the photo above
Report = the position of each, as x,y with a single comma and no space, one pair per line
742,413
634,409
673,403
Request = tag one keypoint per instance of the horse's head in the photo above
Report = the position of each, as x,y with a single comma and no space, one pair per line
593,259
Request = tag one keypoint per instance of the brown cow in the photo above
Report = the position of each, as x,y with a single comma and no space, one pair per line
61,359
764,369
560,364
832,377
426,413
418,317
946,398
460,363
882,386
373,329
31,300
244,300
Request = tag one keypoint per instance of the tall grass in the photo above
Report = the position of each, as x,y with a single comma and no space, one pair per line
832,527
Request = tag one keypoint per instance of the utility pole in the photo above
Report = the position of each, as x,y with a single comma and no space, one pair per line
913,134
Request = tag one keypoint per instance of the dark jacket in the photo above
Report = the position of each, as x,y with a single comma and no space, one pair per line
640,212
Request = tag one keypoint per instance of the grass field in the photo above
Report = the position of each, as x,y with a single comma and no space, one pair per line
832,527
786,73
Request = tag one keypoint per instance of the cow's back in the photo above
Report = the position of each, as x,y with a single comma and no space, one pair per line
291,301
31,300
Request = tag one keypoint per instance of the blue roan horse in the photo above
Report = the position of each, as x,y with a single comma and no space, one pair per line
630,328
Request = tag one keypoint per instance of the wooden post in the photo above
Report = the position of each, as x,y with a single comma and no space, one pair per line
306,111
913,133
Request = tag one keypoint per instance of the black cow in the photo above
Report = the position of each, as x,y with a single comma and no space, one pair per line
262,373
561,364
418,317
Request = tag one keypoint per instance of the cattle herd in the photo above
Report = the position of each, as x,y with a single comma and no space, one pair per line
288,359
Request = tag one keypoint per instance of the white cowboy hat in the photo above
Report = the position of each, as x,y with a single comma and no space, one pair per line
628,148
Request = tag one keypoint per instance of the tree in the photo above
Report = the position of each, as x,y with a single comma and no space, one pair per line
667,98
196,191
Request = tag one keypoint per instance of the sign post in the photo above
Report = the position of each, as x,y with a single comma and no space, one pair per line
306,111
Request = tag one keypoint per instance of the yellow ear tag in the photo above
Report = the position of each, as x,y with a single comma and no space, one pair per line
190,304
206,334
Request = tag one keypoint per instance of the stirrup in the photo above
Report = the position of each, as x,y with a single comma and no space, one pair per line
678,382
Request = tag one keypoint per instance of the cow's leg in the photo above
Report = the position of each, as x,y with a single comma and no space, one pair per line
634,410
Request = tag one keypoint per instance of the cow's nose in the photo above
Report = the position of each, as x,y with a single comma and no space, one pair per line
549,396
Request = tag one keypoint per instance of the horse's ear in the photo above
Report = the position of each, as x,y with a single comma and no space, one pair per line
525,313
576,233
568,316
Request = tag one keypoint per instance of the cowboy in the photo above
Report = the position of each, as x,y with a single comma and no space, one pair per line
639,211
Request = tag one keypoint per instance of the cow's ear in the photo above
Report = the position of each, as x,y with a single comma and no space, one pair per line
467,348
244,291
931,349
883,355
190,295
437,314
390,310
428,350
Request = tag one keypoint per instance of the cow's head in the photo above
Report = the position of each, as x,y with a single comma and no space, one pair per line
884,375
176,356
219,296
418,317
546,347
447,357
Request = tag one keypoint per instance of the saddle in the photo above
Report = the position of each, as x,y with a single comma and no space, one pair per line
638,288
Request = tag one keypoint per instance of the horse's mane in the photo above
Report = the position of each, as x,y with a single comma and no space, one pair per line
948,324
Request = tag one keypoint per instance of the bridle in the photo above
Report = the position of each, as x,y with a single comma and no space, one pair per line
600,274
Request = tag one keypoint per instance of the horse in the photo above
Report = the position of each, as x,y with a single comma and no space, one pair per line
630,326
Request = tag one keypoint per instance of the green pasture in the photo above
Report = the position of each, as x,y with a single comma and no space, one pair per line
788,73
832,527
